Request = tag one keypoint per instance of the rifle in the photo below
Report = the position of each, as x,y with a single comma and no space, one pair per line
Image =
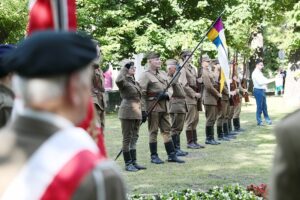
235,99
244,82
200,86
177,73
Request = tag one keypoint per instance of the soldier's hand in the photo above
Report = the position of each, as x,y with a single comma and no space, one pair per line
220,95
198,95
144,116
163,96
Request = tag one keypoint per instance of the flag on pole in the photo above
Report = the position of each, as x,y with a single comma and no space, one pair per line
217,36
52,14
222,80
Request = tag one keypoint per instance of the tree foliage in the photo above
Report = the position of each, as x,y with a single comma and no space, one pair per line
127,27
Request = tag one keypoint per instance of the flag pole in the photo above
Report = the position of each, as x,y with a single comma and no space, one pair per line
185,61
177,73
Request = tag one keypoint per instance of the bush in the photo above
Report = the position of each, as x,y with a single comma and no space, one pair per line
231,192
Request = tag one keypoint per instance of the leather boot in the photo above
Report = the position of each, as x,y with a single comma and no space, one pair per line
190,141
176,142
237,125
221,135
195,138
128,162
154,156
226,132
209,130
171,153
133,157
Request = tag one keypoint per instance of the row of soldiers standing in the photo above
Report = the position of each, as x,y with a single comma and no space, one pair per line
170,110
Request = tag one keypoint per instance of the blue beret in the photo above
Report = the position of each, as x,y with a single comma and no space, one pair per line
50,53
4,49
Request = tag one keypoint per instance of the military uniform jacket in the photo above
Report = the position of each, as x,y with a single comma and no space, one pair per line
225,93
188,79
98,90
130,92
285,179
6,104
177,101
152,83
29,165
210,94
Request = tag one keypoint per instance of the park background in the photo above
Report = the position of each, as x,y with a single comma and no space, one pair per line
269,29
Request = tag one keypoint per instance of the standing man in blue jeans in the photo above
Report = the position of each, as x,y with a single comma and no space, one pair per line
259,91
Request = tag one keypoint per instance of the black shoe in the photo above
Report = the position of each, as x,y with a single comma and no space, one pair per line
192,145
131,168
173,158
211,142
181,153
223,138
139,167
199,145
156,160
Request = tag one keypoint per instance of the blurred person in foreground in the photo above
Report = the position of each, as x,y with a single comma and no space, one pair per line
6,94
43,155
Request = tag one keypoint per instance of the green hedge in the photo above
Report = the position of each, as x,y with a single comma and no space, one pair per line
231,192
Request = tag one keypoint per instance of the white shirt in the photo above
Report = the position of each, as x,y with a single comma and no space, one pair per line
259,80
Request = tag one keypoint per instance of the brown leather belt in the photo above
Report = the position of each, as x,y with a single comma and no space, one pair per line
152,94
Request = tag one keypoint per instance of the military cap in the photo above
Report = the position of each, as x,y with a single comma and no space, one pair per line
151,55
5,49
170,62
50,53
215,61
126,63
185,53
205,58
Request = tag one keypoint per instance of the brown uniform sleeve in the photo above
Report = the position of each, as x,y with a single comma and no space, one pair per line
144,81
208,85
121,78
187,89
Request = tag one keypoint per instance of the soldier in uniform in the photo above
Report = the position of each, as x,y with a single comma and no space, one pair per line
222,116
130,113
153,82
188,79
98,90
6,94
43,154
238,107
210,99
178,106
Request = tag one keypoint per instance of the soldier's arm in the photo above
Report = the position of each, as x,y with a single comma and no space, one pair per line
208,85
144,81
187,89
121,78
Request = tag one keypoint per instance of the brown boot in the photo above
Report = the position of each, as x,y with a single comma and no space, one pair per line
190,141
195,139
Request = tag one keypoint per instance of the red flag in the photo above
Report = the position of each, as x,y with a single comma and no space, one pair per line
52,14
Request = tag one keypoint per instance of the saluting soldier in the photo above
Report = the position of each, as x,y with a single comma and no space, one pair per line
178,106
130,113
188,79
6,93
210,100
153,82
43,154
98,90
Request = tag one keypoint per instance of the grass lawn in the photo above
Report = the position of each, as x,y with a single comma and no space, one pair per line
246,160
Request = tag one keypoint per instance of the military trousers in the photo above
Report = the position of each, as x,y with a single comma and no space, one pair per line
223,113
177,122
230,112
237,110
100,116
192,117
130,132
211,112
159,120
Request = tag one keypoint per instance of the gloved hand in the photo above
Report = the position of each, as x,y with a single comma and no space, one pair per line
144,116
162,96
